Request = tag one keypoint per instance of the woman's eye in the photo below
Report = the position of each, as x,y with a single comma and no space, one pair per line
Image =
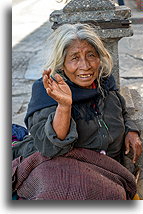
91,55
74,58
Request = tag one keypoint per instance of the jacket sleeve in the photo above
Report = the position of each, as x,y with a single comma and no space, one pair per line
129,123
45,139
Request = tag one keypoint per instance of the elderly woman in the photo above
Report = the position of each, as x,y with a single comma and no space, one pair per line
78,124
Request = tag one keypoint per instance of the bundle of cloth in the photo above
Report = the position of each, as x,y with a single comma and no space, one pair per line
18,133
81,174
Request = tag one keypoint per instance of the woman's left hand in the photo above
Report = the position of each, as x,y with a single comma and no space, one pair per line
133,141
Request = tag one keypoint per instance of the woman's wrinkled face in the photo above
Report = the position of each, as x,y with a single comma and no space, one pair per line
81,63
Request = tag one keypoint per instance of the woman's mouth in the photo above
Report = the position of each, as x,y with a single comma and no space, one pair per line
84,76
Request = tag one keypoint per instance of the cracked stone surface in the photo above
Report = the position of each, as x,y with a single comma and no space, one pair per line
131,60
27,64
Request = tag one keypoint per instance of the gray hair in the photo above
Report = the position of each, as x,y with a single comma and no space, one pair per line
61,38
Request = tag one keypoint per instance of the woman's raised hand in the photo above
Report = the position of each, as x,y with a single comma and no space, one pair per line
57,89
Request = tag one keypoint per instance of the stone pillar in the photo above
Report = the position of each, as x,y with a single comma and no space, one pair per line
111,22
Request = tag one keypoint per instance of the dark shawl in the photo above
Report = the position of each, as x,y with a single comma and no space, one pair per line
80,96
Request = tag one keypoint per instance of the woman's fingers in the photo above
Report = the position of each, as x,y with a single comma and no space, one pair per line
47,81
137,150
57,88
46,72
58,78
135,157
127,146
132,141
50,85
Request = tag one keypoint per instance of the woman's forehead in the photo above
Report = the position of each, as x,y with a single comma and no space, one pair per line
79,45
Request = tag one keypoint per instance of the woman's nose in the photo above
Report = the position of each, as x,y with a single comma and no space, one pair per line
84,64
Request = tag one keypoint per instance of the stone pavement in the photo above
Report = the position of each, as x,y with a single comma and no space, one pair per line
131,52
31,29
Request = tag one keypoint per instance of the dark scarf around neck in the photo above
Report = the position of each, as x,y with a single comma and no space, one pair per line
80,97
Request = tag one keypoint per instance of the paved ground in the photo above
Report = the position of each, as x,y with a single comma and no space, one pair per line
30,30
131,52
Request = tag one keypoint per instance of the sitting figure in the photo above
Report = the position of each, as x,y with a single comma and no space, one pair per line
79,128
